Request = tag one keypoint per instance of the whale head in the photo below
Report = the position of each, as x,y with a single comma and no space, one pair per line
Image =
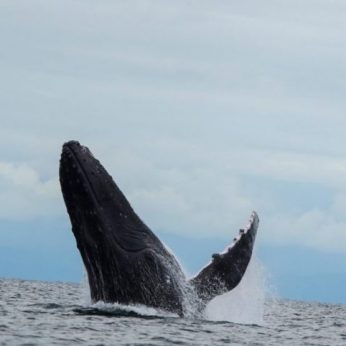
124,260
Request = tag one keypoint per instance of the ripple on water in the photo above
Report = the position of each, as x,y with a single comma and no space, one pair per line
41,313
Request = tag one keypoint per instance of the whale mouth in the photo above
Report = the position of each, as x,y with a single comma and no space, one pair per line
98,210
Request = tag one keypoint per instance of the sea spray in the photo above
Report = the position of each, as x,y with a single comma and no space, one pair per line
245,303
85,296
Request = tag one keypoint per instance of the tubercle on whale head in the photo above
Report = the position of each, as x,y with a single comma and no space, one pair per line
78,165
92,198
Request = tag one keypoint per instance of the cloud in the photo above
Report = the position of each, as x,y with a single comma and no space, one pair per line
202,111
322,230
24,195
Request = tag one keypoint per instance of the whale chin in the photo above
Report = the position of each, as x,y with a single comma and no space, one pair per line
124,259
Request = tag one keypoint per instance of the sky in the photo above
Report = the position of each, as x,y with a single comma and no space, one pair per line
202,111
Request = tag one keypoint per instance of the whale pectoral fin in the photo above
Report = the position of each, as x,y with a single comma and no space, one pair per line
227,269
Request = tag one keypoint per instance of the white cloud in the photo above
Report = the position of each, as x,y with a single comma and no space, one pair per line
24,195
320,229
187,103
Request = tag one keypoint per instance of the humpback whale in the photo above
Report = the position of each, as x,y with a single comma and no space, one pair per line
124,260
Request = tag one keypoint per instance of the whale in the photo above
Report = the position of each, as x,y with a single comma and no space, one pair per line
125,261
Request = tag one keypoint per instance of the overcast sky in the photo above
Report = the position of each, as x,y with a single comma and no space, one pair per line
202,111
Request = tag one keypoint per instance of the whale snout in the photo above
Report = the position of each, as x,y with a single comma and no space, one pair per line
95,204
71,143
78,167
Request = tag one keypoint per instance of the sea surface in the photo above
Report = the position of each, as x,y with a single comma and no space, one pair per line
55,313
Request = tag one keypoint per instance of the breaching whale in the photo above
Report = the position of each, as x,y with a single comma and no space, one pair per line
125,261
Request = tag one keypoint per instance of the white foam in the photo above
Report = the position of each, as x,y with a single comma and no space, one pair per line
245,303
143,310
139,309
85,290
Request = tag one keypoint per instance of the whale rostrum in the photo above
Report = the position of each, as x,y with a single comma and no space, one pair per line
125,261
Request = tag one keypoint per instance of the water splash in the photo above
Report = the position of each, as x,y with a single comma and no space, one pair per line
245,303
85,296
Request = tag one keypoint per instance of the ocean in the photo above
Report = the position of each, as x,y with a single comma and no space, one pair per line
57,313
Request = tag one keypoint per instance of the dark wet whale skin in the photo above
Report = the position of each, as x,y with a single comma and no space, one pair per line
124,259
